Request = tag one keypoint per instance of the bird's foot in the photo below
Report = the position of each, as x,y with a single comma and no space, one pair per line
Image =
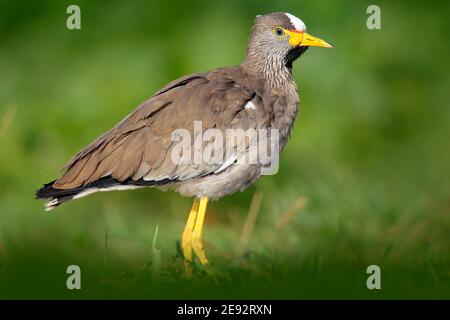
192,243
199,249
186,245
192,237
187,253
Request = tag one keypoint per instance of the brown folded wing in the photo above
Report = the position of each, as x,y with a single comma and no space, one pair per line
139,147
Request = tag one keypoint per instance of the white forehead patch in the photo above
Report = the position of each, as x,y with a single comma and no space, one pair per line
298,24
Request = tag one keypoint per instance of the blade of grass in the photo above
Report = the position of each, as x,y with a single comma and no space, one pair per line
249,223
290,213
156,255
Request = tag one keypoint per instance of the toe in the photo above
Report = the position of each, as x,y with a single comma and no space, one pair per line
198,246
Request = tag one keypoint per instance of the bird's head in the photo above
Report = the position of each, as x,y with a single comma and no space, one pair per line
281,37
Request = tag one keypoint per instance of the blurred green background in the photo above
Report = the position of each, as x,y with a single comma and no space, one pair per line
364,179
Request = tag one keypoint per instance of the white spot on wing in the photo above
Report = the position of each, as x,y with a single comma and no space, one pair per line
250,105
299,25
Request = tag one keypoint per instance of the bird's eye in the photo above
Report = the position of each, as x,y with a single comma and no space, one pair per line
279,32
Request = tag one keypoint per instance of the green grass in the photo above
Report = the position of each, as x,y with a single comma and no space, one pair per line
369,153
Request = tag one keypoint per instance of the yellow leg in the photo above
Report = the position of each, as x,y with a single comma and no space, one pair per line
186,243
197,240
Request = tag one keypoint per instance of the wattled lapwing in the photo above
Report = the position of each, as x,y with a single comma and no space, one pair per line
139,151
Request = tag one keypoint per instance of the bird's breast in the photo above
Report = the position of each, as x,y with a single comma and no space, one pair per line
284,106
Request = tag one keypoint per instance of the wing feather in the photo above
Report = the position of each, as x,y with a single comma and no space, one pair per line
139,147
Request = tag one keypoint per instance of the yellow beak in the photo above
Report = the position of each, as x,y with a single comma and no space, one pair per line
302,39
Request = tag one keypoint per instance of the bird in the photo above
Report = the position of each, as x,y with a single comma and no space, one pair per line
258,94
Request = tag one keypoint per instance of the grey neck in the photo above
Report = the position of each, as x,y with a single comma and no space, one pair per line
270,67
283,97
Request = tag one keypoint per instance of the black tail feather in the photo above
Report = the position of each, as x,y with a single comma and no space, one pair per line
57,196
